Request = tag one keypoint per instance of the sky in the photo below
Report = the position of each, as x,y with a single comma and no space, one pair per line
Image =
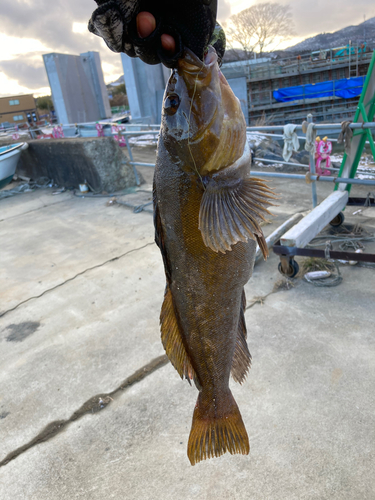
30,28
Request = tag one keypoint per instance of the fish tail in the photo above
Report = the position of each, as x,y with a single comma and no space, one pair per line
217,428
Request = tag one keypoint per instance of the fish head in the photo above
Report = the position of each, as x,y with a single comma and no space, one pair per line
202,120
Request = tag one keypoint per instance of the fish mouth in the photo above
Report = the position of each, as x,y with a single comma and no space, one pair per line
192,65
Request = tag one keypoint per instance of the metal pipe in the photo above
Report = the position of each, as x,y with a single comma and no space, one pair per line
301,165
334,180
281,162
144,132
312,170
137,180
140,164
330,126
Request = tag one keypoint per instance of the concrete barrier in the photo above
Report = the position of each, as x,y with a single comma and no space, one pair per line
70,162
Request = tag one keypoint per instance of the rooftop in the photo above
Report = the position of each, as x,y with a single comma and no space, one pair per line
89,406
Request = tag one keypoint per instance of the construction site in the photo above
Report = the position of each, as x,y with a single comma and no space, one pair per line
314,79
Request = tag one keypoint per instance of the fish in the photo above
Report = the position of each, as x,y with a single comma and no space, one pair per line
207,214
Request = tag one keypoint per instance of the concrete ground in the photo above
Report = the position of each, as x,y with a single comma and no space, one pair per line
89,407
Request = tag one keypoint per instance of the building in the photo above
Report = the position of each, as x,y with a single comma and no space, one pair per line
17,109
145,87
77,85
280,90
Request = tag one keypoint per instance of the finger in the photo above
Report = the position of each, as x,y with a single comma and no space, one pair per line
146,24
168,43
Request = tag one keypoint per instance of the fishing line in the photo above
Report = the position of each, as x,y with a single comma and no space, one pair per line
188,121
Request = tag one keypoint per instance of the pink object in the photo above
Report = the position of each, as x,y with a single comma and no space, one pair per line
323,151
119,138
58,132
100,130
16,135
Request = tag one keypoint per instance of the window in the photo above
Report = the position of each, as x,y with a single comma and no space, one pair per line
18,118
14,102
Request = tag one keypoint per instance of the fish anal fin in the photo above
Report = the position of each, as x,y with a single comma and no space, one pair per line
241,362
231,212
217,428
172,340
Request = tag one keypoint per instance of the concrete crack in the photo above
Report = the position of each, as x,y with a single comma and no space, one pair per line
34,210
74,277
92,405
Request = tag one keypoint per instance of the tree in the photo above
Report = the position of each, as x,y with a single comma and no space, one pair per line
44,103
261,26
119,89
119,97
119,100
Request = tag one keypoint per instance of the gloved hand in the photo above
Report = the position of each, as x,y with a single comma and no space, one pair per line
190,22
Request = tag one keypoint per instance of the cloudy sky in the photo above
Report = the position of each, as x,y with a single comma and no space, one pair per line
30,28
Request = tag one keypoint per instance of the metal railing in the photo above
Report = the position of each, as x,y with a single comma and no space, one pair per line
269,131
313,178
296,65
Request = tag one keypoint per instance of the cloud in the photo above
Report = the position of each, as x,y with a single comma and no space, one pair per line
26,69
58,25
224,10
327,15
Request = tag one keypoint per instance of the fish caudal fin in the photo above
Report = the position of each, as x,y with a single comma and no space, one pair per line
172,340
217,428
230,212
241,363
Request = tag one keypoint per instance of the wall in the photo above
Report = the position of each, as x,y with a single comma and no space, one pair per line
77,86
239,87
145,86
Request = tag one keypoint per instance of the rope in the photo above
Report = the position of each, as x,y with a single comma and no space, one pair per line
350,238
310,138
345,136
334,280
28,187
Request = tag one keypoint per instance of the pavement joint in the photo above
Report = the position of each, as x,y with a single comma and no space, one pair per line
93,405
113,259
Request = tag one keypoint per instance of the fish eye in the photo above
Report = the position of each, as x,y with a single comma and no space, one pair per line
171,104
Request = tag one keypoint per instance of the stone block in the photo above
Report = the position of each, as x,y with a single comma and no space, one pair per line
70,162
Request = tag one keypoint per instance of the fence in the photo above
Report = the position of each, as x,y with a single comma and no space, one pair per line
313,178
132,130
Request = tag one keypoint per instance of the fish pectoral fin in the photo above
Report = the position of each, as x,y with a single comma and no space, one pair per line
231,212
172,340
217,427
241,362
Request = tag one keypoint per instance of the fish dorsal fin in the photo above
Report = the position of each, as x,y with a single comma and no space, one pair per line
241,363
231,210
172,340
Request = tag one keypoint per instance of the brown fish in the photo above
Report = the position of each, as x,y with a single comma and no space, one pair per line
207,211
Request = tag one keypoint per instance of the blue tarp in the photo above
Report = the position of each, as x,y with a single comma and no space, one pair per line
346,88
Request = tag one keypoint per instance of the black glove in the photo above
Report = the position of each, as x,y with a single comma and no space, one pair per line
190,22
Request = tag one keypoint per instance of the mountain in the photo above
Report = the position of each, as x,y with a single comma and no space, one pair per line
117,82
364,32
